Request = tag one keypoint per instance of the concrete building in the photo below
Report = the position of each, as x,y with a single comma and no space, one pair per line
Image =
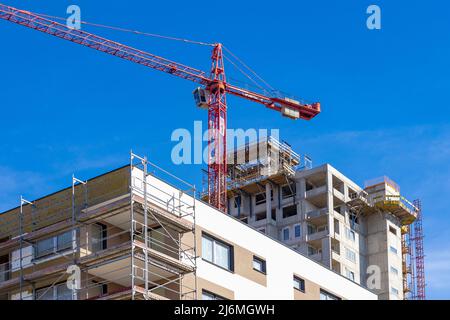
322,214
138,232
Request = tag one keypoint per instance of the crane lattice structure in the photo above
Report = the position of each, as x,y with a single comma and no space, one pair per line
211,94
419,257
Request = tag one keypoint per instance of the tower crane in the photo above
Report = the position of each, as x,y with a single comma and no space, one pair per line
211,93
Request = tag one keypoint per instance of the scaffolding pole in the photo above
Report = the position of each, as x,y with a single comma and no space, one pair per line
22,203
75,244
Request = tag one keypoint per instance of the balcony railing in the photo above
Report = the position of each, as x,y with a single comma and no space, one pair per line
316,191
316,213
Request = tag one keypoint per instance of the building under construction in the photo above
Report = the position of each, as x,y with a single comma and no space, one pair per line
324,215
275,227
138,232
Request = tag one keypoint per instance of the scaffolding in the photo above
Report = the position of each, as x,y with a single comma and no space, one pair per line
266,159
383,195
420,283
407,263
128,234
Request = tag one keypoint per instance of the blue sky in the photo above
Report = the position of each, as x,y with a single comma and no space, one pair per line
385,95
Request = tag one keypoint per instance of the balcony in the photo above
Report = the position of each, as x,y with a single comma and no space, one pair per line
317,256
316,191
317,217
339,197
317,236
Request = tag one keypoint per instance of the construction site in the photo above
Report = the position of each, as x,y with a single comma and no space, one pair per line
269,223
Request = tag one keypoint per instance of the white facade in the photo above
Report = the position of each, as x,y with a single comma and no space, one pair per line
281,260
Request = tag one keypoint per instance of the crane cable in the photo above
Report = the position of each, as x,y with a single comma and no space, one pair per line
131,31
244,73
249,69
176,39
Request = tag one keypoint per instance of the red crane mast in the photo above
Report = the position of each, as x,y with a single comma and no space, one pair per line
214,84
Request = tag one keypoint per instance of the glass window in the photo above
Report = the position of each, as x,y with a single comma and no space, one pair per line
394,271
351,235
217,252
206,295
299,284
286,234
56,292
393,249
394,291
297,231
311,229
350,255
98,237
45,294
350,275
207,249
45,247
324,295
222,255
64,241
63,293
259,264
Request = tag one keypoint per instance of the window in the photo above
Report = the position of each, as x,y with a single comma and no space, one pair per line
324,295
57,292
44,247
99,237
206,295
394,271
297,231
217,252
336,226
350,274
53,245
394,291
288,190
259,264
289,211
350,234
299,284
350,255
311,229
286,234
392,230
393,249
64,241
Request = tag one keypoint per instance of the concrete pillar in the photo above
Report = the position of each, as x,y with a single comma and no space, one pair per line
330,204
301,188
268,201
